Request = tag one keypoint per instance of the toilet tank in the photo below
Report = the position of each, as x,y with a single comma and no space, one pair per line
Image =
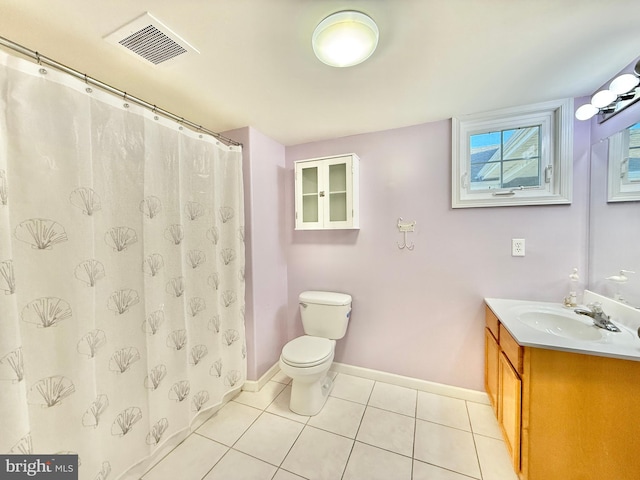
325,314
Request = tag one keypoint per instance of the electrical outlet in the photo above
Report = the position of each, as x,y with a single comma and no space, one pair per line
517,247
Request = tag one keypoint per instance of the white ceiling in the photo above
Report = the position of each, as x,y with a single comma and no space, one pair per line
435,59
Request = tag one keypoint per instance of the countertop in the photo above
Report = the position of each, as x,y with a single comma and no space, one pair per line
624,345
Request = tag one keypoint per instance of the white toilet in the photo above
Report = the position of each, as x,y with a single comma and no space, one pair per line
307,359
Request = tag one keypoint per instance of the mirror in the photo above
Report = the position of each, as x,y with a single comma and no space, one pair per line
614,215
624,165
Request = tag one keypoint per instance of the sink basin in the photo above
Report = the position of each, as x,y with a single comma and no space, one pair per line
553,326
560,322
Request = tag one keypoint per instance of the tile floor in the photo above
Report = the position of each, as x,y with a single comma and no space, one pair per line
367,430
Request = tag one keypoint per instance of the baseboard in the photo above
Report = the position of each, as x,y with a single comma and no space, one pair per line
256,385
410,382
377,375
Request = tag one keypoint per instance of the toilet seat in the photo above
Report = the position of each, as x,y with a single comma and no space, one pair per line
307,351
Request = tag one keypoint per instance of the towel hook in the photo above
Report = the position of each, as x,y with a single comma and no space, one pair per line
406,228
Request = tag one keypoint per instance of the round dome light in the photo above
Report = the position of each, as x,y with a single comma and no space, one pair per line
585,112
603,98
344,39
624,83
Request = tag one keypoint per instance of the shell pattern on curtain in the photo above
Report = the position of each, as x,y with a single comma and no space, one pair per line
121,273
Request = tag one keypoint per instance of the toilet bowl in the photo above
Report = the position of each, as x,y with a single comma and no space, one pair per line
307,360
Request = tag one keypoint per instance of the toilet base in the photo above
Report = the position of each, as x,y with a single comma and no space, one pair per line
308,398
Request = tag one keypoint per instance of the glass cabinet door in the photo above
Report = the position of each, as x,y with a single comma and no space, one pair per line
338,192
310,194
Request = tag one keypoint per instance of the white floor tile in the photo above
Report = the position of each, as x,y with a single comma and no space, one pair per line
352,388
371,463
263,398
483,420
448,411
229,423
495,462
446,447
318,455
192,459
284,475
280,406
280,377
424,471
387,430
339,416
394,398
238,466
269,438
450,439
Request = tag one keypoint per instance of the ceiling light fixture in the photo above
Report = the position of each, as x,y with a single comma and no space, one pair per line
344,39
622,92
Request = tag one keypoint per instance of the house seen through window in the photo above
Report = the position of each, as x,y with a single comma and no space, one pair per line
632,174
505,159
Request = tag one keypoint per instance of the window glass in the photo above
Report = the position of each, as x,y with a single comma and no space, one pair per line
633,172
505,159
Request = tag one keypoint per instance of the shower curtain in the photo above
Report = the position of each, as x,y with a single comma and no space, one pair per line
121,273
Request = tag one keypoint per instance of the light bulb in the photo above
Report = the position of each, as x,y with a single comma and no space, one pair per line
585,112
603,98
624,83
345,39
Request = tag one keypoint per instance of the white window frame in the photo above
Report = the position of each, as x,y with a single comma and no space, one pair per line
619,191
556,155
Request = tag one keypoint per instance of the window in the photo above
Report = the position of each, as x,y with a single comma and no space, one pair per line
624,165
518,156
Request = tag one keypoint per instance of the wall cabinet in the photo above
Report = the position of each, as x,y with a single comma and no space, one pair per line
563,415
326,191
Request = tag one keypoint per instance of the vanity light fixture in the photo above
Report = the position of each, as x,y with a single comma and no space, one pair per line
345,38
622,92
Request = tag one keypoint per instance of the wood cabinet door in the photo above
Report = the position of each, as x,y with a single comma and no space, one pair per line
491,354
510,408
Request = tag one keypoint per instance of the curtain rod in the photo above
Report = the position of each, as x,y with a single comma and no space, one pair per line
41,59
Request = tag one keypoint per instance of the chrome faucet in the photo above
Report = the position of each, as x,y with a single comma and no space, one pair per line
600,319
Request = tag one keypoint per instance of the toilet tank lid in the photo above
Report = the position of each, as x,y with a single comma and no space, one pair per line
325,298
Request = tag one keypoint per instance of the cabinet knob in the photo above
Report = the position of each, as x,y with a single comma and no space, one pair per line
321,193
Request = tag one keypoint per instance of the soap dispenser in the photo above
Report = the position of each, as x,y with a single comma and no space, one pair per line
619,280
571,300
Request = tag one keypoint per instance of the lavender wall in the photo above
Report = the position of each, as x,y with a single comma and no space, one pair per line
266,269
420,313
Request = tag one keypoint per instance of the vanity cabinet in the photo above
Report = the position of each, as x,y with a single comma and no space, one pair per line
326,193
503,367
563,415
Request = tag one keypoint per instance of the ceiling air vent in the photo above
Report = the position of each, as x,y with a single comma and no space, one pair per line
148,38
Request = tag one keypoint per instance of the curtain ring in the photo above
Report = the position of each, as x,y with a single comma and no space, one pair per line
42,71
86,82
124,97
180,123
